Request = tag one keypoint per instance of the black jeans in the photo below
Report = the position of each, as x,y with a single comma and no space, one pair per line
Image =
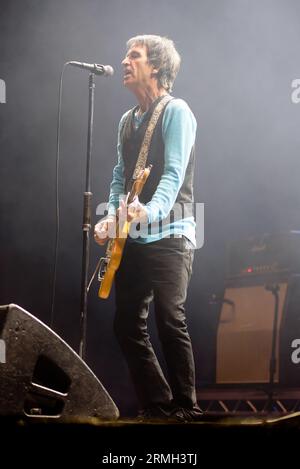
158,271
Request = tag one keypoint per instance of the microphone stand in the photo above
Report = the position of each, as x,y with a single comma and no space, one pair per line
86,225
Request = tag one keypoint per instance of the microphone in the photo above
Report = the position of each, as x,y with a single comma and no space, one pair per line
98,69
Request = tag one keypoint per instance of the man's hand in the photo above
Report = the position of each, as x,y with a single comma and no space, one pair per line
133,212
104,229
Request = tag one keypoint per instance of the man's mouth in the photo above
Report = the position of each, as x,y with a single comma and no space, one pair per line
127,73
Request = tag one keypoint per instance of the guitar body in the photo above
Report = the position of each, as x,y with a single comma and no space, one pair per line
113,259
111,262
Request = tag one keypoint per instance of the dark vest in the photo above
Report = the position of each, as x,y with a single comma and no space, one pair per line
131,143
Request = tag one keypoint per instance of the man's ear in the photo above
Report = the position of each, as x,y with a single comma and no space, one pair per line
155,72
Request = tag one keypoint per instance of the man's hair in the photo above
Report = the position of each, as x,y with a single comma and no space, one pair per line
162,55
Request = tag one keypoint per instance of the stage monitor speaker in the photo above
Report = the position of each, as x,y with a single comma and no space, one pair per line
41,376
244,337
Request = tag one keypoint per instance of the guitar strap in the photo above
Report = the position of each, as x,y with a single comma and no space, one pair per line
144,150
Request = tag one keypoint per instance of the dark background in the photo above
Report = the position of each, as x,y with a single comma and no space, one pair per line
239,58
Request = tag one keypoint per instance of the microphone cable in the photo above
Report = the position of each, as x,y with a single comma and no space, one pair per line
57,208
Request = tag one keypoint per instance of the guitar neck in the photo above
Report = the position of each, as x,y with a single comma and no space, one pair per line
138,185
132,194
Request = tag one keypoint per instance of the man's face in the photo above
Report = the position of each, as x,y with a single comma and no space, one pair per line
137,71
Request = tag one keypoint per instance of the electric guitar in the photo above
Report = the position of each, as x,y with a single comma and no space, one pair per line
109,264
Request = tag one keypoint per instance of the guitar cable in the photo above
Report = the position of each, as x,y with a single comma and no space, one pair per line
94,274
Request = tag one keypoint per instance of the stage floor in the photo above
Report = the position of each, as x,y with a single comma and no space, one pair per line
227,439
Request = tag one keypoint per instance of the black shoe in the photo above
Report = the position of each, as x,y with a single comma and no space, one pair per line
155,413
184,415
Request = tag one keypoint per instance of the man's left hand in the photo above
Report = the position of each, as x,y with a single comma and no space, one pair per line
134,212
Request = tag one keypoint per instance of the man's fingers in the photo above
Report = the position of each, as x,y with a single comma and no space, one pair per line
100,241
101,228
100,231
105,229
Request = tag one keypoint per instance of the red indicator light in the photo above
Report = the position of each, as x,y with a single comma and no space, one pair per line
249,270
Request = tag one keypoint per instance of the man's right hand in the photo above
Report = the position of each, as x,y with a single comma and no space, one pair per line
105,229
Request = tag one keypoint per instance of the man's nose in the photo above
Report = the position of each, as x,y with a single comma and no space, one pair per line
125,61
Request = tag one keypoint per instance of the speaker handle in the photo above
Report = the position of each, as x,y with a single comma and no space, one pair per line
216,300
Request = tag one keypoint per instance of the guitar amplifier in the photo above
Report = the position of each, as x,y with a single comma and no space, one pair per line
260,255
246,327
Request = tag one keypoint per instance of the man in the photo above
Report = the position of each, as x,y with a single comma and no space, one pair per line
157,265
